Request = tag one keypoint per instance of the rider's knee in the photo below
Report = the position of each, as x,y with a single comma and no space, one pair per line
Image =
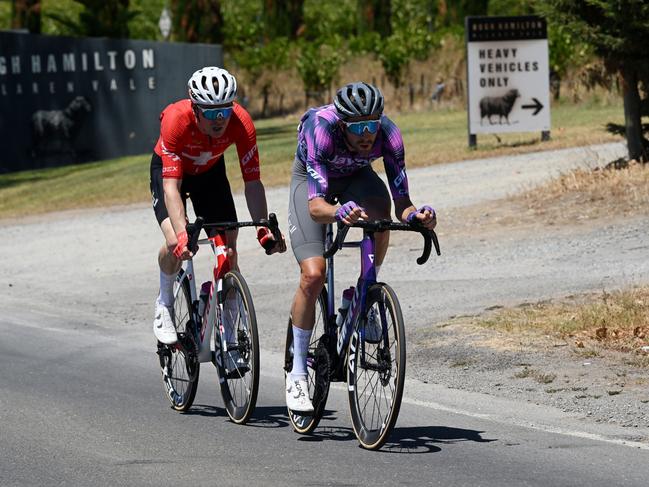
312,279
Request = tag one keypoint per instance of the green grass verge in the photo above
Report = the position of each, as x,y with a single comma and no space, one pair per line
430,137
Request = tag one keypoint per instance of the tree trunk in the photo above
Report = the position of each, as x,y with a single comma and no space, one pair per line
632,119
283,18
374,16
26,14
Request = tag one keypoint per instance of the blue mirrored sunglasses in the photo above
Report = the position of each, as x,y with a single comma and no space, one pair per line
357,128
214,113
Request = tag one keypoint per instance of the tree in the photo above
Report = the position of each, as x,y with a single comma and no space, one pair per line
197,21
262,62
618,31
411,38
453,12
243,24
98,18
318,64
26,14
283,18
374,16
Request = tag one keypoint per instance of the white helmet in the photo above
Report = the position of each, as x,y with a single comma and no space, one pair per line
212,86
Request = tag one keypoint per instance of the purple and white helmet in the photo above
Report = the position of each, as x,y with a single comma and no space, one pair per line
212,86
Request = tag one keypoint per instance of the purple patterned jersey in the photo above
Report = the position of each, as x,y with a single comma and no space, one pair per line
322,149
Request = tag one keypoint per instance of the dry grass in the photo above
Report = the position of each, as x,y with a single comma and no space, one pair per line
592,324
586,193
582,195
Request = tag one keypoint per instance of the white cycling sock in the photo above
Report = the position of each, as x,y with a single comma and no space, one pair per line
167,289
301,340
377,268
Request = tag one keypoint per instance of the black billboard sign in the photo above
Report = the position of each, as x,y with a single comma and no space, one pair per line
66,100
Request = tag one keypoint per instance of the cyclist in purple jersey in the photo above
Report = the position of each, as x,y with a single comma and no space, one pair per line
324,151
336,146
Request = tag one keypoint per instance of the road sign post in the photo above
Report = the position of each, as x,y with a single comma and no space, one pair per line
508,79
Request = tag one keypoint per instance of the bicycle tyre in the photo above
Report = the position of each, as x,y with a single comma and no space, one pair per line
179,362
239,388
386,362
318,367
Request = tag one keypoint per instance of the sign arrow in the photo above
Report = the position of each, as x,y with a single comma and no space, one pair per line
537,106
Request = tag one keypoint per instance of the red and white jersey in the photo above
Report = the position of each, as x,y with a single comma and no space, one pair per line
185,150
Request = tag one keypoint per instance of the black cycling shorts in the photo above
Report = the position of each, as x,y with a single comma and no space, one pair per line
209,192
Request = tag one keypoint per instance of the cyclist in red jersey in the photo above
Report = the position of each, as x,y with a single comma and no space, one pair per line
188,162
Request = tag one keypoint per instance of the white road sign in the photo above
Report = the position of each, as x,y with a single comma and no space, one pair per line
508,75
165,23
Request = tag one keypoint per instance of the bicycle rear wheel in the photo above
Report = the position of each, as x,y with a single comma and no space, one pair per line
318,367
239,384
179,362
376,371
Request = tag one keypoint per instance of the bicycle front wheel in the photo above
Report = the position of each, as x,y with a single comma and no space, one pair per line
238,360
179,362
376,371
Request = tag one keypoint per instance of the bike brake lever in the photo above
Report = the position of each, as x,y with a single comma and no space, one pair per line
193,231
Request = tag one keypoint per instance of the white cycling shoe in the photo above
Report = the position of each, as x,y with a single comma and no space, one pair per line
373,329
297,395
163,325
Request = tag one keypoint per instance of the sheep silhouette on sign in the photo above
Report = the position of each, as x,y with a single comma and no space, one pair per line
498,105
54,131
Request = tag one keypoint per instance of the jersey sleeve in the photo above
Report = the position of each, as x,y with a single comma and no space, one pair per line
246,142
172,128
394,159
320,146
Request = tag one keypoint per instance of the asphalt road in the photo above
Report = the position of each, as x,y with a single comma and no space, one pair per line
83,405
81,401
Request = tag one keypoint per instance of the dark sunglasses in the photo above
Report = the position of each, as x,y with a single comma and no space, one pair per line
215,113
357,128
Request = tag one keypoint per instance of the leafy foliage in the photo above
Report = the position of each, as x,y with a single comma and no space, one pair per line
26,14
616,29
243,24
411,37
197,21
97,18
283,17
318,65
5,15
324,19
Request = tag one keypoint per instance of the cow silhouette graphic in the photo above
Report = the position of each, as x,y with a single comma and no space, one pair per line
498,105
54,131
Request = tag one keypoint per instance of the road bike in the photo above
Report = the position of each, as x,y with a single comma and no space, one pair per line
372,362
218,326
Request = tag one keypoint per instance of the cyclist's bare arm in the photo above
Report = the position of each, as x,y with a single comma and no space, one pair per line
402,208
256,199
175,208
